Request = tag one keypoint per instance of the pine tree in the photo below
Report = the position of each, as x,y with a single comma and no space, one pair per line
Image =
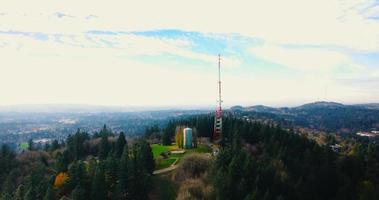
98,189
79,193
30,145
104,147
141,166
123,175
49,195
146,155
6,196
61,163
9,183
54,145
35,184
168,133
30,194
120,144
111,170
78,175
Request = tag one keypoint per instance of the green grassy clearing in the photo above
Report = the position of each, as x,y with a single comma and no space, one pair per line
163,163
24,146
158,149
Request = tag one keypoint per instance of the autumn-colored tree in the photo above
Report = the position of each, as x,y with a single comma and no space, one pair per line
60,180
179,136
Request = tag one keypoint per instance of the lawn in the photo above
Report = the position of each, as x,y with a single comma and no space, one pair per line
163,163
158,149
24,146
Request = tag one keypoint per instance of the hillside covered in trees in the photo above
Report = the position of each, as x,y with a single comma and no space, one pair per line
322,116
253,161
262,161
103,166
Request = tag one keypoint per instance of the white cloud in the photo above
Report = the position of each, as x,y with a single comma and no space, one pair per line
110,45
306,59
324,22
85,68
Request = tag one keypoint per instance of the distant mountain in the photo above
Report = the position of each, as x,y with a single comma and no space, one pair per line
374,106
315,105
257,108
324,116
319,105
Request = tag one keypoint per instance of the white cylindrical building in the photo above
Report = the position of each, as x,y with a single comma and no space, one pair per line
187,138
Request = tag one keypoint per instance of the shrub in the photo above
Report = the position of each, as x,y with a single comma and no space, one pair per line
192,166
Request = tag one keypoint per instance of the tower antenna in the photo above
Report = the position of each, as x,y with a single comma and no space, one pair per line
218,115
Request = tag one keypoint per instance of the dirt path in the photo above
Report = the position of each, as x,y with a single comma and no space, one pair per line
164,170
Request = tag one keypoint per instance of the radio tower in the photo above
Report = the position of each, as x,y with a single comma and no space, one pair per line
218,115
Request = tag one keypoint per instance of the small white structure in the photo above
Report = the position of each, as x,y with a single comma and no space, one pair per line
368,134
336,148
187,138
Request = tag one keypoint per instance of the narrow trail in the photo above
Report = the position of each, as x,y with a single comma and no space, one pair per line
164,170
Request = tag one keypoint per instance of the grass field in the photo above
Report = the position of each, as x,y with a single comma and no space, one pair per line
158,149
163,163
24,146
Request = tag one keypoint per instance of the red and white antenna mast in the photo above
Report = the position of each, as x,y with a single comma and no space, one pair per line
218,115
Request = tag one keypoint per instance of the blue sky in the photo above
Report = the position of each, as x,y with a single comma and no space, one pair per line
273,53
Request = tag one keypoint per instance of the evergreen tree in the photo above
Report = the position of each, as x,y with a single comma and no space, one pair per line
79,193
111,170
78,175
98,189
147,156
30,145
104,147
35,188
9,183
61,163
49,193
123,175
54,145
141,166
120,144
30,194
6,196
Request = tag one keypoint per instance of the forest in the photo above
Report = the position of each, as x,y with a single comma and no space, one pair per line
264,161
103,166
255,161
